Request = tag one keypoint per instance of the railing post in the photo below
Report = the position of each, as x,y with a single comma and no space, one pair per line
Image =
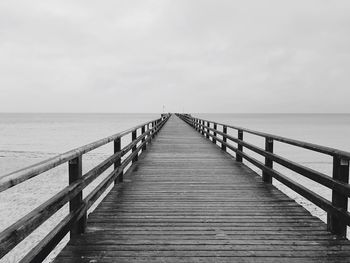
202,123
133,138
153,131
208,124
335,224
240,147
150,132
143,130
155,125
75,173
215,127
224,130
268,162
117,148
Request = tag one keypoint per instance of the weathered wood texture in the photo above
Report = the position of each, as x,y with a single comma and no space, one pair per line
187,201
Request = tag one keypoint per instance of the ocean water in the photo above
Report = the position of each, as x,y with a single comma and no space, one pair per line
26,139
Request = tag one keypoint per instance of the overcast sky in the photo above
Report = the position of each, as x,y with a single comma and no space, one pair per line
200,56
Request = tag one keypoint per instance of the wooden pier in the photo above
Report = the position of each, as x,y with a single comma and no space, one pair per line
187,200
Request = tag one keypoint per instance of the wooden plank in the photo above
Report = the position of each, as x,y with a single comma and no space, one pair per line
186,201
182,259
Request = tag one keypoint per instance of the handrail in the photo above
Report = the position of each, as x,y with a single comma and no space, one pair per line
19,176
76,219
302,144
338,216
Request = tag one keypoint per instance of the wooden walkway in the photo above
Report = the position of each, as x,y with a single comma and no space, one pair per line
188,201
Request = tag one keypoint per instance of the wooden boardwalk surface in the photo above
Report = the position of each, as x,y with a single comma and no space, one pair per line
188,201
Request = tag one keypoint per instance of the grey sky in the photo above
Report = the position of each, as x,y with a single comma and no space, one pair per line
203,56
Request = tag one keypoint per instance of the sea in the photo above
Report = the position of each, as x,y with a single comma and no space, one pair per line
28,138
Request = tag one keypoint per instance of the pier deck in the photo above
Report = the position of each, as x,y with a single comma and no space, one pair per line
185,200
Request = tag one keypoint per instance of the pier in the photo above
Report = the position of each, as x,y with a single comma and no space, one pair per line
179,196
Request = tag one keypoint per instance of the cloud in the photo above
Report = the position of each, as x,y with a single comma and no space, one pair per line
205,56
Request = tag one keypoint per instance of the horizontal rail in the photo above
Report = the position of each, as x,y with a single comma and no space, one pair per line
18,231
303,170
17,177
298,143
337,209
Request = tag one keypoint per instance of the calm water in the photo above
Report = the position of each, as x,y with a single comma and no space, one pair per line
29,138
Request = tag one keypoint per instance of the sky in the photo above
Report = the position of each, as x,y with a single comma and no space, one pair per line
211,56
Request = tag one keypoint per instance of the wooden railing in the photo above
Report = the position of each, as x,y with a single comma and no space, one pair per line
338,216
75,221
